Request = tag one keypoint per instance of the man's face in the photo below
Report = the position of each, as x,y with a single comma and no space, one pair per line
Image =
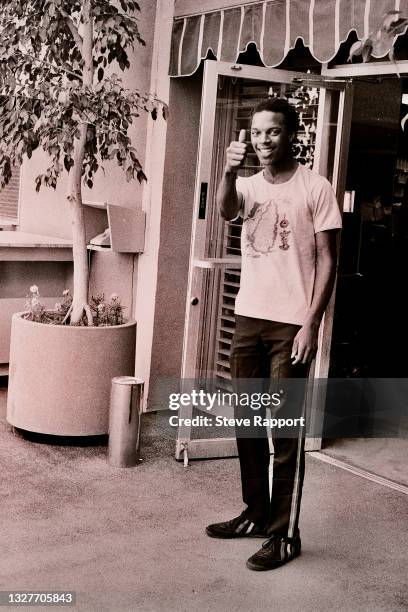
270,137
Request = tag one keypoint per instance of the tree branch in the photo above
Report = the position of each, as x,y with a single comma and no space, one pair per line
87,47
132,20
49,64
73,29
65,319
89,316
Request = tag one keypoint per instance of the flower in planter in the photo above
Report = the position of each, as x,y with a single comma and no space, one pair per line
107,312
36,310
67,302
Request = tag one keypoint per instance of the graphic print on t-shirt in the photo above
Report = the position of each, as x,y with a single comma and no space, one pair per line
267,228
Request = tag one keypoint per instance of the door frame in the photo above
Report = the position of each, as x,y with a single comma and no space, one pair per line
185,447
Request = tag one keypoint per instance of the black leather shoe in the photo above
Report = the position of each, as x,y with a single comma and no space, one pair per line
276,551
240,527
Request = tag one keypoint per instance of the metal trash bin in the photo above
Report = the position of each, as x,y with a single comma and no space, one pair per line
124,421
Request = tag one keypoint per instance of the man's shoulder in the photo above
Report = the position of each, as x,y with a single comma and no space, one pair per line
247,185
312,178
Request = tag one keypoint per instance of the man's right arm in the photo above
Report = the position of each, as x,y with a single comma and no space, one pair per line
228,199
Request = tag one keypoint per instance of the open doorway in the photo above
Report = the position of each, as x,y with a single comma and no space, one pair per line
370,330
229,94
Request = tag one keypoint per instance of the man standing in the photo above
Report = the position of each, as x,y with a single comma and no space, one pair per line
288,246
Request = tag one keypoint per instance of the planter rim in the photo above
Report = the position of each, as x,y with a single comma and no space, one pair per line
19,315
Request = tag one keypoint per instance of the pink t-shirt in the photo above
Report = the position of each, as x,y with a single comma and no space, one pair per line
278,243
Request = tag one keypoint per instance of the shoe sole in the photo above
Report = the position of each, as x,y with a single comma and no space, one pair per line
234,537
257,568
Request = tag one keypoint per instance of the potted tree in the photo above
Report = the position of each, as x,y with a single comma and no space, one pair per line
59,92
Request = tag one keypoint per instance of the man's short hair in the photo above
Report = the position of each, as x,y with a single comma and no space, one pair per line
280,105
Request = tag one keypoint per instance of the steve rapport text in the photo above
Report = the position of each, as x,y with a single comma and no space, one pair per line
223,421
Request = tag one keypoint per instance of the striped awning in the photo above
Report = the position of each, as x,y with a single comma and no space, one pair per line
274,27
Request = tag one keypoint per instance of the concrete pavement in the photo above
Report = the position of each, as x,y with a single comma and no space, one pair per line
133,539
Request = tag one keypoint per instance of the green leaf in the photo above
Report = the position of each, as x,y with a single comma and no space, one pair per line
355,49
68,162
399,27
389,19
141,176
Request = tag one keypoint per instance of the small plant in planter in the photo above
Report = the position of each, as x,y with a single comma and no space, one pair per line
104,312
381,41
107,312
59,92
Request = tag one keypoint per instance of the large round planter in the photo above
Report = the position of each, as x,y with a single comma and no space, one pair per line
60,376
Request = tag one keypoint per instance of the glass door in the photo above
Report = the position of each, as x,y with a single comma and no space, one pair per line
229,94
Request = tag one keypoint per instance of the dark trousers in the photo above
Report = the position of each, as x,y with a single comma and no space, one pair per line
260,361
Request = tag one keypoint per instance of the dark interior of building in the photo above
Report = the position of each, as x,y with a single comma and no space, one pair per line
365,421
370,333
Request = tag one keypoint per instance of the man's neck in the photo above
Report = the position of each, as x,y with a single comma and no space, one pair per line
280,172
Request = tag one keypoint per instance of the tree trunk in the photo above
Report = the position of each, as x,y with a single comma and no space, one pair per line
79,246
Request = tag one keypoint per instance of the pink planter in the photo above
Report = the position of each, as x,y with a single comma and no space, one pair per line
60,376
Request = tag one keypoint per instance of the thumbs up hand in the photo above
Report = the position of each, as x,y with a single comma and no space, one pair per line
236,153
242,136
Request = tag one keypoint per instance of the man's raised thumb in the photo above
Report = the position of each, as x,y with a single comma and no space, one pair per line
242,136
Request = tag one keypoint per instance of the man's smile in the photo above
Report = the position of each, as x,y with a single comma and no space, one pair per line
265,150
266,153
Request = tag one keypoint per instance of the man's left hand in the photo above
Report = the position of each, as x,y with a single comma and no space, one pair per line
305,344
